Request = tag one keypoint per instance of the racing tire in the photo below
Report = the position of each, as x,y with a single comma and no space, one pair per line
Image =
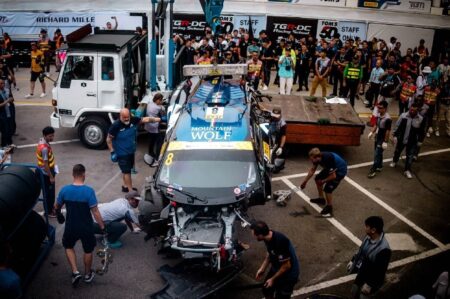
93,132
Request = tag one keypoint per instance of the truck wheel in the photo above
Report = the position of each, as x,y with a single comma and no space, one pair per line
93,132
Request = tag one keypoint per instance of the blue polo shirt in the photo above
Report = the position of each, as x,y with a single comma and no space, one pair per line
124,136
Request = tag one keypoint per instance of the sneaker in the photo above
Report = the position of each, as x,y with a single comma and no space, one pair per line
366,102
428,135
30,95
318,200
327,210
148,159
437,133
378,169
392,164
265,87
155,163
372,174
124,189
115,245
430,130
415,158
408,174
43,95
76,277
89,277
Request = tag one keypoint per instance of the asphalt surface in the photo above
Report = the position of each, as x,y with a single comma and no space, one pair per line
415,213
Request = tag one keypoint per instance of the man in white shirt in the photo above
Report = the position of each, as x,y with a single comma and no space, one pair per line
114,212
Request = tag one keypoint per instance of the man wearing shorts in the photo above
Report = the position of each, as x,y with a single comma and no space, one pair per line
327,180
122,143
37,61
284,266
80,201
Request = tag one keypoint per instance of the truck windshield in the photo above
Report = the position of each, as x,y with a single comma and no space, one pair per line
209,169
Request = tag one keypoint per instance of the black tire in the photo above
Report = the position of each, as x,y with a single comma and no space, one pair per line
93,132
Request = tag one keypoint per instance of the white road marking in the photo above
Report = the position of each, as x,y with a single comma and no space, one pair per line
394,212
401,242
365,164
347,278
332,220
108,183
56,142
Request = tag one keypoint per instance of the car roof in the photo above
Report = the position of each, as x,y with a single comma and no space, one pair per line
216,112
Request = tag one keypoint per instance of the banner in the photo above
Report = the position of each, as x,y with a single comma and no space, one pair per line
279,27
194,25
340,3
327,29
352,30
258,23
32,23
417,6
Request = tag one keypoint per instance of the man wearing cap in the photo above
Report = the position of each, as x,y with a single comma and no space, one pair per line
381,131
422,80
114,212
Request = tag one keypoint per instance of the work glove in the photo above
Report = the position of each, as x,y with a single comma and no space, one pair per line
350,266
60,217
136,230
384,145
370,135
279,151
114,157
365,289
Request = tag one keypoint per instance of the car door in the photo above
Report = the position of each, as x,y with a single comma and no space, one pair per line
110,89
78,83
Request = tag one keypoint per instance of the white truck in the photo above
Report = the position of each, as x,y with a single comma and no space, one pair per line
102,73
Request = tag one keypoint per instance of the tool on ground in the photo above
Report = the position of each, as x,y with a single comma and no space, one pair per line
106,255
282,196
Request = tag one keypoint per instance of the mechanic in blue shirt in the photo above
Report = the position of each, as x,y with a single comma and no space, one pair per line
327,180
80,201
121,142
284,266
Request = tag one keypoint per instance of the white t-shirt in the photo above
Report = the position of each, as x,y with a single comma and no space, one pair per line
118,210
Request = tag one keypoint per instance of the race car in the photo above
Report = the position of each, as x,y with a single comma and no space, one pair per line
213,166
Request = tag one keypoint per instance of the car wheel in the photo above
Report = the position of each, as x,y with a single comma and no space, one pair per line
93,132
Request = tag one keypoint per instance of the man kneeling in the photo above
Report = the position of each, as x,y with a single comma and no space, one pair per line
114,212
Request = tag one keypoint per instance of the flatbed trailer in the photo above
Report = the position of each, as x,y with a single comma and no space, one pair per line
313,121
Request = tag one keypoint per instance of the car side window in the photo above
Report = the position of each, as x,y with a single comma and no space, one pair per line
107,68
77,68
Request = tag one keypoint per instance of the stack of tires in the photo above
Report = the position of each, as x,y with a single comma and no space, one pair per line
24,228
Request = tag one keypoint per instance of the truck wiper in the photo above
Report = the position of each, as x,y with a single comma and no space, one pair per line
186,193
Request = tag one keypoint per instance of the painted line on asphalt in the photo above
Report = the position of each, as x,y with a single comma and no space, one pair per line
332,220
108,183
347,278
394,212
365,164
56,142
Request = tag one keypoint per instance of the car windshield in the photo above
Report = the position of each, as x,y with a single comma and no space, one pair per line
209,168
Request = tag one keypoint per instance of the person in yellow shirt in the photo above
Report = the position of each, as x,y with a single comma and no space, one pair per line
37,70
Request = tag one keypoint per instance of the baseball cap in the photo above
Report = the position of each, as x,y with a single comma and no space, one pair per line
276,112
426,70
133,194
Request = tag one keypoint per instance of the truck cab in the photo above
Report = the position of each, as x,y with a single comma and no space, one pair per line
102,73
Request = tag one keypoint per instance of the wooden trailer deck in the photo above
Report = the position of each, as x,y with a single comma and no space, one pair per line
304,119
